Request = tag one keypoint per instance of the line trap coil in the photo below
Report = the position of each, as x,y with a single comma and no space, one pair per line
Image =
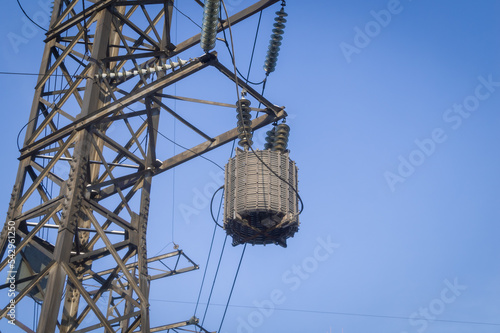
259,206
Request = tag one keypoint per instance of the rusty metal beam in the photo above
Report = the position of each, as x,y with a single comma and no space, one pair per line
217,142
123,102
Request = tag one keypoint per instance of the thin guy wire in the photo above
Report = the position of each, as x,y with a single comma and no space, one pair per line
29,18
175,132
247,79
253,48
190,19
212,242
215,279
205,271
337,313
232,287
237,70
26,74
233,58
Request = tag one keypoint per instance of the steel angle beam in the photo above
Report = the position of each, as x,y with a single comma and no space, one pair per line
217,142
150,89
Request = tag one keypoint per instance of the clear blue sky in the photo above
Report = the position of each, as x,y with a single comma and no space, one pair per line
394,116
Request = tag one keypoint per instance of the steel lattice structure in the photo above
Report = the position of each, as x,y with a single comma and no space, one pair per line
114,69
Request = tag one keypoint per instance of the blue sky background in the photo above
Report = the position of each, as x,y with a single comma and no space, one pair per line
353,120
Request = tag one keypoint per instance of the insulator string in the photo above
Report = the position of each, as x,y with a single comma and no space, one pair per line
210,22
275,42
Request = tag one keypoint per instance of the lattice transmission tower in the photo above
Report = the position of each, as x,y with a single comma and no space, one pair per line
75,232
